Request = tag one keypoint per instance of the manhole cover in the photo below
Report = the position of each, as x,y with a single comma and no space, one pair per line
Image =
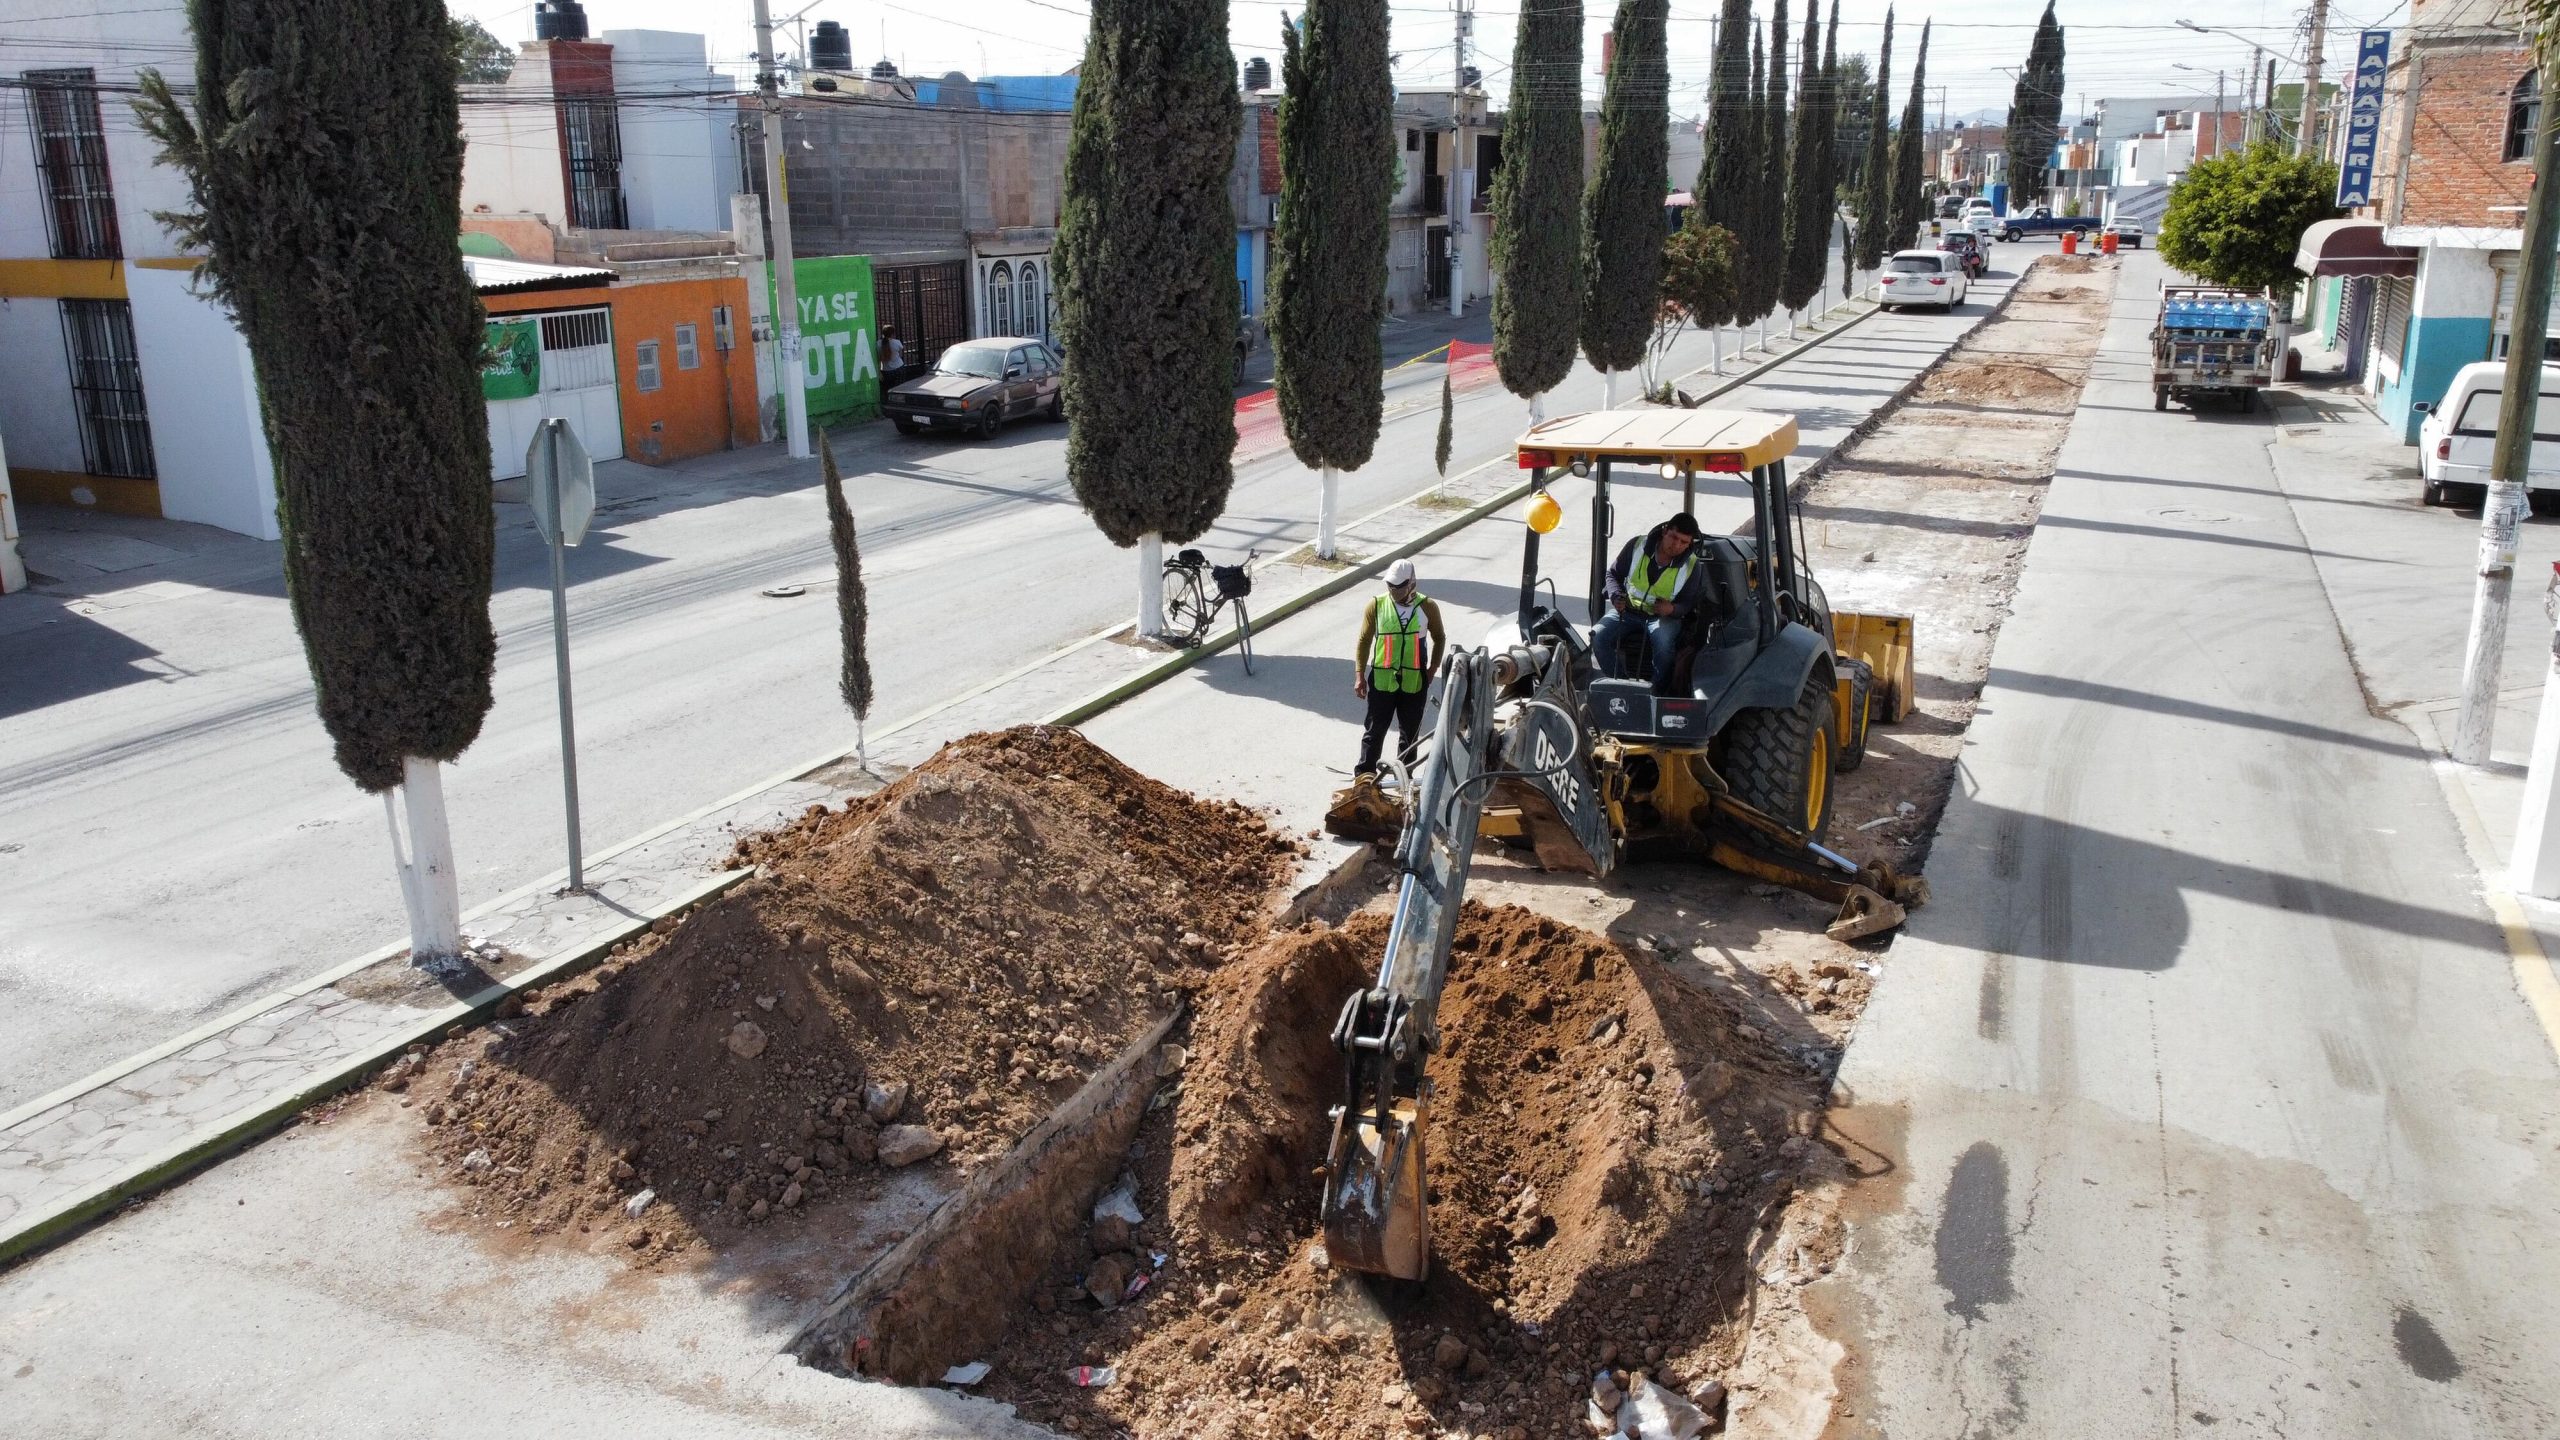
783,592
2192,516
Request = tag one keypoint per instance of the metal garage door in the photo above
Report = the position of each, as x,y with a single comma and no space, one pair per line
577,385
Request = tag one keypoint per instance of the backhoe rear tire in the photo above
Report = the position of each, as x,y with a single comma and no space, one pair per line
1780,762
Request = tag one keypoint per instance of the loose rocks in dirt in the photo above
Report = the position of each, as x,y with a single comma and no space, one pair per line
913,978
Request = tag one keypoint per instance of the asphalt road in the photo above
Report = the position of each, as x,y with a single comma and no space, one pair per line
2200,1100
175,839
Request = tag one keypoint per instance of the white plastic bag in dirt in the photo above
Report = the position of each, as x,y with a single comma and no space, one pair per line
1653,1413
1121,1202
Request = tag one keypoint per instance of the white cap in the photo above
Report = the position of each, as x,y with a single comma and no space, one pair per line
1400,573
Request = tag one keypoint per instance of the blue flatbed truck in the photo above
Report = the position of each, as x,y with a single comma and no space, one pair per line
2212,340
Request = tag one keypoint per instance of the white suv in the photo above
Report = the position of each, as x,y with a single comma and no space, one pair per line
1922,277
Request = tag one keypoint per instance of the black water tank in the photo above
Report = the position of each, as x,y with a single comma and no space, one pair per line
884,71
1257,74
1470,77
559,20
831,48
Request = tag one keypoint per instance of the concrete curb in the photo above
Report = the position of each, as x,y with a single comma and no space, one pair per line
273,1110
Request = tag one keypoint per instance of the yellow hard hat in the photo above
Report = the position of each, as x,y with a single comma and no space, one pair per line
1545,514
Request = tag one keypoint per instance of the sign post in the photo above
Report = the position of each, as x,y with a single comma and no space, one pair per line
561,480
2364,119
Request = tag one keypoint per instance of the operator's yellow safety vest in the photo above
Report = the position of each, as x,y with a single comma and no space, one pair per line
1647,584
1395,661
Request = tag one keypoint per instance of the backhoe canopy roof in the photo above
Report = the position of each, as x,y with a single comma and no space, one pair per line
1725,441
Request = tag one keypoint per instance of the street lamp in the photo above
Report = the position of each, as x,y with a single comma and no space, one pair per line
2310,68
2217,101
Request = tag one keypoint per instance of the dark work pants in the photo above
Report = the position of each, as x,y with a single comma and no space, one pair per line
1404,708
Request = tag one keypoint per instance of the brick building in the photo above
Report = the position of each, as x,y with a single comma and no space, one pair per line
2450,182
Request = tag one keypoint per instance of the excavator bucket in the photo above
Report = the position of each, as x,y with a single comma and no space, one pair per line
1363,810
1375,1216
1884,643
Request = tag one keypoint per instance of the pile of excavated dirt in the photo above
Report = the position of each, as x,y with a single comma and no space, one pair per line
1604,1143
923,973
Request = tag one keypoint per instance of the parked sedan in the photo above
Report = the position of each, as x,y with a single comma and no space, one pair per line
1922,277
979,385
2128,233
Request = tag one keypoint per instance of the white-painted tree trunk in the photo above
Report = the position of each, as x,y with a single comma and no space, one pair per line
1537,409
1608,389
427,880
1715,343
1328,500
861,750
1150,586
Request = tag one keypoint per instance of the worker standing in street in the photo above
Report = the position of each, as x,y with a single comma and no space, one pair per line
1653,585
1401,643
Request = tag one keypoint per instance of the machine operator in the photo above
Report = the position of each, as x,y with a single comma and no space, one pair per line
1653,585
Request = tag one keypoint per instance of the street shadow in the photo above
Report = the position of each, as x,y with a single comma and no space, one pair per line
2052,890
69,657
2261,492
523,560
2000,530
1316,684
2062,687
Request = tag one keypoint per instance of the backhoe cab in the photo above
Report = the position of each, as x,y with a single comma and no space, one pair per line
1733,758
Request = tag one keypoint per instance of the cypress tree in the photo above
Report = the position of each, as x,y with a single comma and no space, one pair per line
1722,191
1622,211
1146,277
1769,264
1448,420
2035,112
853,605
1329,252
323,158
1908,206
1537,302
1808,201
1875,192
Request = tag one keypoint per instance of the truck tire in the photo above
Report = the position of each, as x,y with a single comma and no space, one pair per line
1862,690
1779,762
2433,494
2248,401
2159,399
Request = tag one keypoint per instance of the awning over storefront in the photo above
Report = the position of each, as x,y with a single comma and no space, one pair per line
491,275
2352,247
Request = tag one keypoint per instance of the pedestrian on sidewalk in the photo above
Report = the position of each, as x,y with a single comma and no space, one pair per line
1401,643
1653,585
896,369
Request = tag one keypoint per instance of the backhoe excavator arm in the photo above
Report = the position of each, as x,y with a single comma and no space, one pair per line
1375,1217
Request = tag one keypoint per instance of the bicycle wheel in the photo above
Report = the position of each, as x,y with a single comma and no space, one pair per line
1244,635
1186,610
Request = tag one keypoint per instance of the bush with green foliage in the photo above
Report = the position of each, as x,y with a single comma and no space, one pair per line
1329,246
1622,211
322,151
480,57
1537,300
2237,218
1145,270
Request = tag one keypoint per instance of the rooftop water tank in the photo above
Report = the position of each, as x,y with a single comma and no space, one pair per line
831,48
559,20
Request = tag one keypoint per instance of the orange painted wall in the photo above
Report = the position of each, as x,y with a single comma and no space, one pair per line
693,412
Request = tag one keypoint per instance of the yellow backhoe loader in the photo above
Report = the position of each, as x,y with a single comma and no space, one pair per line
1733,760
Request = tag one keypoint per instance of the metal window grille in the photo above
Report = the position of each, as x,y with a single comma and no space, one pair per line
71,161
576,330
106,388
2524,116
2391,332
591,147
688,348
1000,299
648,377
577,349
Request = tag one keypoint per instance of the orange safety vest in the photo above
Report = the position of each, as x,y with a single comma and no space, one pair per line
1395,660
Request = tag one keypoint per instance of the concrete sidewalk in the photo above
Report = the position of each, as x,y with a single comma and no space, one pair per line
2201,1098
308,1274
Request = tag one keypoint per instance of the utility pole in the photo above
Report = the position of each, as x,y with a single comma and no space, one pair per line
2311,80
789,373
2504,513
1461,196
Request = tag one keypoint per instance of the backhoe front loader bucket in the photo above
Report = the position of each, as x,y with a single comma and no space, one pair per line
1884,643
1376,1217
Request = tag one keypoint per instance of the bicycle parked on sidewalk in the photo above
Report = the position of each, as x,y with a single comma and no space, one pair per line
1195,591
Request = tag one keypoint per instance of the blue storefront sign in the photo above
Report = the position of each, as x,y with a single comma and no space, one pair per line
2364,118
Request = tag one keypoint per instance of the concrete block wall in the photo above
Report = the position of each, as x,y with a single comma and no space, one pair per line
889,179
